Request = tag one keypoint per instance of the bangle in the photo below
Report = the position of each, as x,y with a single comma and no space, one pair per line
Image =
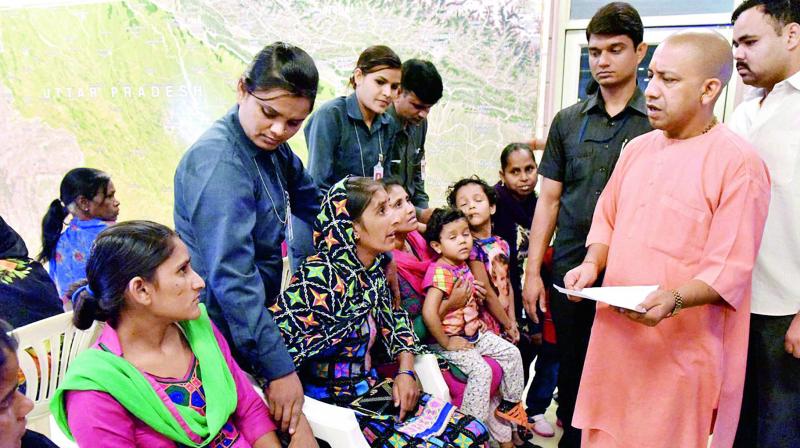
678,302
407,372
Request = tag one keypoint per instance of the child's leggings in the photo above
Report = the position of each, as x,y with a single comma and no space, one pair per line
477,400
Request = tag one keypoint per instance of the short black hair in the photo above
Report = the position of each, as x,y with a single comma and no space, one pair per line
474,179
440,218
617,18
511,147
422,78
501,258
782,12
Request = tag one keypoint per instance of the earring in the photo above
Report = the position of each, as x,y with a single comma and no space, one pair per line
356,236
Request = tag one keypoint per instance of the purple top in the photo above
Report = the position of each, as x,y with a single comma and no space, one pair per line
97,419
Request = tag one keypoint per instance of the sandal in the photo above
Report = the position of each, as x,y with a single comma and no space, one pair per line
524,433
513,413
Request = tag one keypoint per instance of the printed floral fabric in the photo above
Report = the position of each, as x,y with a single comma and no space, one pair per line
68,264
27,293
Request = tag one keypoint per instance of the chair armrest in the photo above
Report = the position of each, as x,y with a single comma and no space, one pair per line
335,425
429,374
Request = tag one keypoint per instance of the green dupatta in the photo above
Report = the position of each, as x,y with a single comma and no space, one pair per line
103,371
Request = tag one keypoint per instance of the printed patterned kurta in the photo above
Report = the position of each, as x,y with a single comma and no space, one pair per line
189,391
332,293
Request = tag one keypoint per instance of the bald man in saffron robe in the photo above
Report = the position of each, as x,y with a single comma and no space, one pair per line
684,209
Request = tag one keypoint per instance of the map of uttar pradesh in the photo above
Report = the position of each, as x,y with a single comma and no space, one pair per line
127,87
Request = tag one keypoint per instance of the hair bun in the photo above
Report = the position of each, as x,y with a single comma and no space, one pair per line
86,305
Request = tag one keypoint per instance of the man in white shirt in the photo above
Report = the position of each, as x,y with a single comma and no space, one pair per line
766,40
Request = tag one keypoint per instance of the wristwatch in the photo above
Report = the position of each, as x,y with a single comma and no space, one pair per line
678,302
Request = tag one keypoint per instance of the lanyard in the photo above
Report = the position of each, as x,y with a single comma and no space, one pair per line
361,150
287,218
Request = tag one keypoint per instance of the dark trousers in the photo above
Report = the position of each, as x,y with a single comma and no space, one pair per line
540,394
770,414
545,371
573,321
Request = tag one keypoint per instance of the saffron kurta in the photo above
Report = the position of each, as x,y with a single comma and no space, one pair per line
673,211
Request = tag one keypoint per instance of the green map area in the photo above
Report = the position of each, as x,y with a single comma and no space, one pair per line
127,86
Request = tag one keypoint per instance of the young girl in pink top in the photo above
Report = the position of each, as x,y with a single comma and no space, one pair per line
457,327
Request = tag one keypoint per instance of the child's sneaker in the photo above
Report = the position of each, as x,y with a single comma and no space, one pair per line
541,426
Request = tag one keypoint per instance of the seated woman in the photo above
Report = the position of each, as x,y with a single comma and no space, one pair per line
27,294
336,305
411,253
161,374
14,406
413,256
88,195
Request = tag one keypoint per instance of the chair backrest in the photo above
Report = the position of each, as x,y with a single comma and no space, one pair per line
286,274
46,348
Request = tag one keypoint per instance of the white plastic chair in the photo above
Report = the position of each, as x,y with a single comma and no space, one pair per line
430,375
46,348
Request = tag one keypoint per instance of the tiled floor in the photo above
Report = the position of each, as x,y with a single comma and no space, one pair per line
549,442
545,442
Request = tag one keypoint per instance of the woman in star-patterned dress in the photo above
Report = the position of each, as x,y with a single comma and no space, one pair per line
335,307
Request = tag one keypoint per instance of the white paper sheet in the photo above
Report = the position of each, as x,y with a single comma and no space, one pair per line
628,297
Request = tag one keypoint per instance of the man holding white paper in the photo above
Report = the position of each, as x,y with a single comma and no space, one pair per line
684,209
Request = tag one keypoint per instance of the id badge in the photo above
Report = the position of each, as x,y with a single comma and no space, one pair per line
377,170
